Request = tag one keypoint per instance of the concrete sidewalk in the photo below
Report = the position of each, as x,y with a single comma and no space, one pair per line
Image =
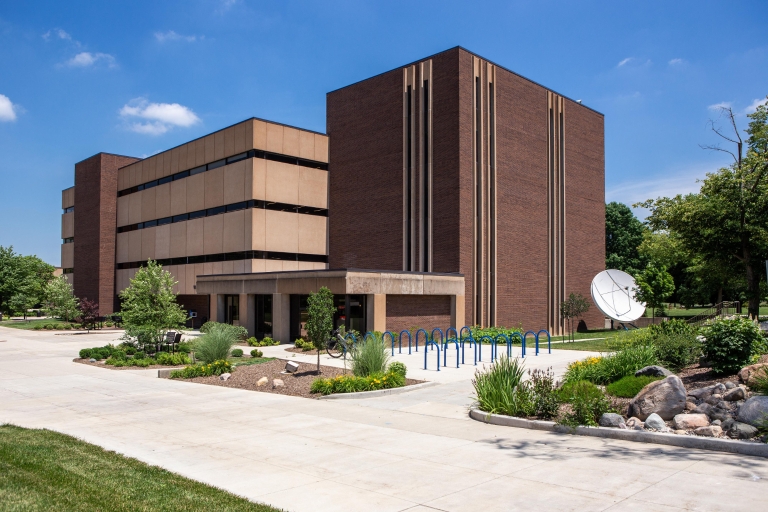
415,451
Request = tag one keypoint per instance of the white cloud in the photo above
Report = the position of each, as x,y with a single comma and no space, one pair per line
676,62
7,109
173,36
57,33
625,61
86,59
721,105
157,118
678,182
755,104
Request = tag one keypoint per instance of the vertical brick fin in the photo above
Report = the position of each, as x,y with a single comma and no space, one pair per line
478,272
425,167
409,167
491,193
556,212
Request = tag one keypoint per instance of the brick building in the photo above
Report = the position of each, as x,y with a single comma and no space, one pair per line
449,191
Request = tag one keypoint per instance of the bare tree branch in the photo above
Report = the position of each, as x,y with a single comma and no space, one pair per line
717,148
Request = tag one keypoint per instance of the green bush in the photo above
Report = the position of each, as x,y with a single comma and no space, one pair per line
203,370
610,368
397,367
546,402
118,355
354,384
37,327
369,356
501,390
257,353
478,332
215,344
237,352
587,403
304,345
629,386
252,342
239,332
207,326
67,327
676,351
185,347
728,344
130,350
172,359
85,353
139,355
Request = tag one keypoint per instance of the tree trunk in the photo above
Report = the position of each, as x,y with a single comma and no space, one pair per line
318,361
753,290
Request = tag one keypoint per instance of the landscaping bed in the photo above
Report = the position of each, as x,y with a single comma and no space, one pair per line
101,364
294,384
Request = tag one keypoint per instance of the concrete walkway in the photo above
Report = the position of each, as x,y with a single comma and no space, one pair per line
415,451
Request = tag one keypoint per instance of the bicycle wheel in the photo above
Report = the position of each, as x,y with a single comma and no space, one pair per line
335,348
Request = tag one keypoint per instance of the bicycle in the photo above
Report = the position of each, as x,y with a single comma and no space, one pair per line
337,345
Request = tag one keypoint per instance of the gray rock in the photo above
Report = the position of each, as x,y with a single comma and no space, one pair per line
714,399
727,424
711,431
734,394
716,413
91,360
690,421
635,423
747,373
702,409
729,385
702,393
653,371
278,383
740,430
655,422
664,397
717,423
689,406
754,410
613,420
225,376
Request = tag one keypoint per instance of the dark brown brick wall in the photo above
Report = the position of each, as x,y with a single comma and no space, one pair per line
585,203
199,303
95,228
365,126
414,312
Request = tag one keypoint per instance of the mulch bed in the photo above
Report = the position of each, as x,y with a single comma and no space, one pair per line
696,377
101,364
296,384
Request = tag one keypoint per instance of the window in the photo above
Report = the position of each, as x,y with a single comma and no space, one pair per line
263,316
69,210
68,240
232,309
67,270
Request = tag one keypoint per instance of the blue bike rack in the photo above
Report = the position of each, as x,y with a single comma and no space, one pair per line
535,339
401,341
426,352
426,338
549,340
507,341
369,333
472,342
522,341
479,348
442,337
392,337
445,351
448,334
354,342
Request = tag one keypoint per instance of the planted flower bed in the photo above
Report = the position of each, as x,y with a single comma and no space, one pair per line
126,355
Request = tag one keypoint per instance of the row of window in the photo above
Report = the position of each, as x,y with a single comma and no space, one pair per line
232,256
68,240
254,153
243,205
67,271
69,210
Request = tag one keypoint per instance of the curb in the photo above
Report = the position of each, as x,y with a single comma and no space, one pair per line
637,436
378,392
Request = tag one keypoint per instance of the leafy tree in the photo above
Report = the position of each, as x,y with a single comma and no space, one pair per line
623,235
89,312
21,302
573,307
320,319
25,275
59,299
655,285
726,223
149,305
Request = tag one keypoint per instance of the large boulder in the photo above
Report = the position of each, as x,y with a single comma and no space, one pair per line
747,373
754,411
740,430
664,397
613,420
653,371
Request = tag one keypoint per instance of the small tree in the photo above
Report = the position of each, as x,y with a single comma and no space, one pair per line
89,312
21,302
60,300
654,286
320,319
573,307
149,305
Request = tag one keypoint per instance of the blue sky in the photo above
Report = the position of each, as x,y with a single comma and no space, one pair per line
139,77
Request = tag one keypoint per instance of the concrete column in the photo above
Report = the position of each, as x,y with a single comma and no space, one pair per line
376,312
248,313
457,311
213,305
221,310
281,317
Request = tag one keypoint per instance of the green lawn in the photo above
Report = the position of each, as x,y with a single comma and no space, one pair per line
30,323
45,470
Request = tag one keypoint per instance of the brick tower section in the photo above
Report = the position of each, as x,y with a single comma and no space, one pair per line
96,227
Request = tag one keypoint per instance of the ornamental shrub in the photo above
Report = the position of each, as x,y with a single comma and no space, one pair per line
612,367
215,344
353,384
252,342
370,356
130,350
172,359
629,386
397,367
257,353
304,345
139,355
118,355
185,347
587,403
728,344
37,327
203,370
501,390
237,352
546,402
85,353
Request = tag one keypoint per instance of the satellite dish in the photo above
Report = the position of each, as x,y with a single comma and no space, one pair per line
614,294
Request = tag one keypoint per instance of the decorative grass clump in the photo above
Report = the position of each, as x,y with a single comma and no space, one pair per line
44,470
215,344
500,390
629,386
610,368
370,356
